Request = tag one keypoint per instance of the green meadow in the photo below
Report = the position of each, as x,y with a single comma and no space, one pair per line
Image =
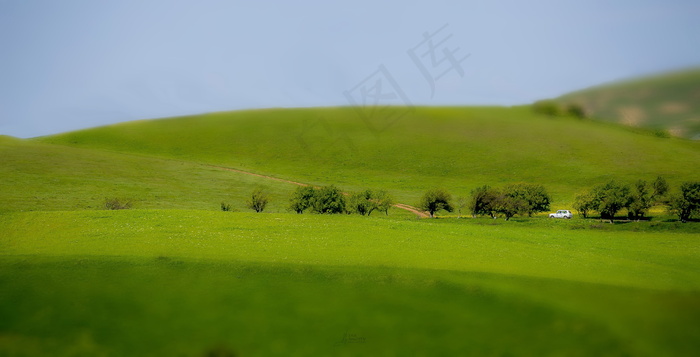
456,148
180,282
176,276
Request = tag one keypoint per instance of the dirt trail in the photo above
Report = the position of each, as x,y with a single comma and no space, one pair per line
402,206
415,210
258,175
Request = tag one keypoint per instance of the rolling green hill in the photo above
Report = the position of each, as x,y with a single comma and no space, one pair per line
41,177
456,148
175,277
669,102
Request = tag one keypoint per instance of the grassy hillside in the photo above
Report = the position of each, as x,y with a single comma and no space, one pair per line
41,177
668,102
176,276
456,148
176,282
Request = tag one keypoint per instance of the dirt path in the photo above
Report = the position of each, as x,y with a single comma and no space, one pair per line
402,206
258,175
415,210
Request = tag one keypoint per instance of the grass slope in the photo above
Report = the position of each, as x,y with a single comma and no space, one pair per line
177,277
457,148
668,101
174,282
41,177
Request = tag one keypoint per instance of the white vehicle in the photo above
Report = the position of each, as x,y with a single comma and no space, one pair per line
562,213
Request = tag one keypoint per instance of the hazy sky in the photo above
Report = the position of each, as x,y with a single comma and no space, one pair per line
70,64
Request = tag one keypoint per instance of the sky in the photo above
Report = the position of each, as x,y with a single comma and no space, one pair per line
72,64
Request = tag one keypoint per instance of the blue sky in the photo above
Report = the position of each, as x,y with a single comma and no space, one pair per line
71,64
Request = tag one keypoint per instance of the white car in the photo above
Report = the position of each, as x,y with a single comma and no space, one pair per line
562,213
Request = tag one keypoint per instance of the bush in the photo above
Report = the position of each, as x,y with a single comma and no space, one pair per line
575,110
661,133
546,107
258,200
328,200
362,203
686,204
302,199
117,203
225,207
534,197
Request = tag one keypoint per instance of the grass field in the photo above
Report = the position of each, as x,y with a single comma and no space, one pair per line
176,282
456,148
40,177
176,276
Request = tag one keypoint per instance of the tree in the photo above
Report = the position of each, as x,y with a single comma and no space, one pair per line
258,200
436,200
363,202
535,198
509,205
640,200
611,198
384,201
686,203
660,189
585,203
481,201
302,198
328,200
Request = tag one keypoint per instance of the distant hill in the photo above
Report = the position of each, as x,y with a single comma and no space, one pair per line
669,101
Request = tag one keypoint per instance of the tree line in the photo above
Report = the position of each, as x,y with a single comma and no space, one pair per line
331,200
610,198
325,200
507,201
607,200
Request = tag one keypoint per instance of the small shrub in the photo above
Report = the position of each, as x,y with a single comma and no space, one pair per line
117,203
225,207
547,107
661,133
576,110
258,200
302,199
